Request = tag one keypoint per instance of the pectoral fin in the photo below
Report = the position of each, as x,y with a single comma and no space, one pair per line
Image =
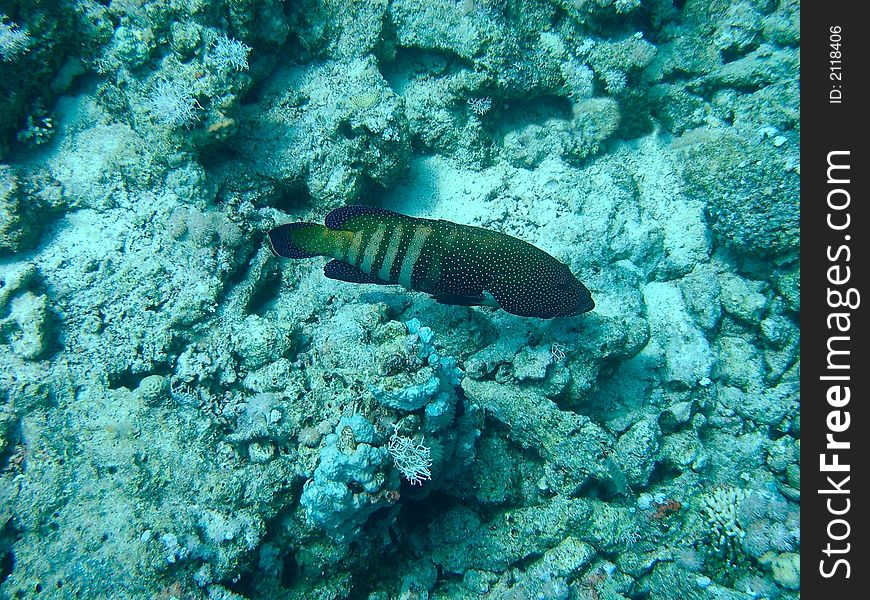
459,300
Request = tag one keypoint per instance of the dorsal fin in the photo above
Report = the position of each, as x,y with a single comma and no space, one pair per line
339,216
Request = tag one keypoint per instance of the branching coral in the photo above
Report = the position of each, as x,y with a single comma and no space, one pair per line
720,509
412,459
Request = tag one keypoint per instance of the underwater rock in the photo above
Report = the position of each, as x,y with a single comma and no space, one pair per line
787,570
570,443
778,331
781,453
779,362
25,328
584,11
629,54
261,452
459,544
557,382
484,362
683,451
413,394
771,111
275,376
16,279
555,588
532,362
677,108
742,298
421,575
421,24
495,472
675,416
669,580
258,341
739,363
329,127
352,480
24,315
263,419
793,476
82,163
782,26
738,30
8,421
767,407
14,226
604,339
594,121
563,561
752,202
477,581
788,284
763,66
635,452
351,33
220,527
674,338
701,293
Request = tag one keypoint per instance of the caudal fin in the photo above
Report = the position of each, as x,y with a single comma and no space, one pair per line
297,240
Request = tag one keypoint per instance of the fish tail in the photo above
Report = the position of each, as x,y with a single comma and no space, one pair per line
303,240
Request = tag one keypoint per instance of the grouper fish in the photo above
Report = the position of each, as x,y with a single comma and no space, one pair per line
455,264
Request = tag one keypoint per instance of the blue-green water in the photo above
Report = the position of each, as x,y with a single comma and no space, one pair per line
185,415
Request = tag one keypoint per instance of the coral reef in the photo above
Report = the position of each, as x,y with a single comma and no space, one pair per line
184,415
351,480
